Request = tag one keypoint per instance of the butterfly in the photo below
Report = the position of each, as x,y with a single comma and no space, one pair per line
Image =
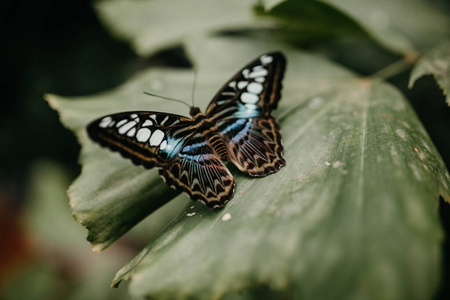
190,153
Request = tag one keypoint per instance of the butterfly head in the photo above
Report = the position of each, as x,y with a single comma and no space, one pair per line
194,111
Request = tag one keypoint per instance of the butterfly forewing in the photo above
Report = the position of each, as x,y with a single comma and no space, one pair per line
150,139
255,89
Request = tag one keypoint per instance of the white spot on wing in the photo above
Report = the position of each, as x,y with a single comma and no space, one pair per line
232,84
153,117
265,59
163,145
242,84
258,67
156,138
121,122
260,79
134,116
127,127
165,120
147,123
143,135
245,73
249,98
255,88
258,73
105,122
132,132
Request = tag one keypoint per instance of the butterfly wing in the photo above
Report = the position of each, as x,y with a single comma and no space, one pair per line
256,86
242,110
185,158
253,144
199,172
150,139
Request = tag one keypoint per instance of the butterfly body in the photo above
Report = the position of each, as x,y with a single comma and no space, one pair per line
190,152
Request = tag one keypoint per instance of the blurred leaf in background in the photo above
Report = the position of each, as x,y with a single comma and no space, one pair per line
58,266
151,26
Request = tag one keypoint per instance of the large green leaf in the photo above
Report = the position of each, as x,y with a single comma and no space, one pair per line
436,62
351,216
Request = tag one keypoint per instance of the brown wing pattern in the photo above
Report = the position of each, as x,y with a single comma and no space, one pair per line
198,171
254,145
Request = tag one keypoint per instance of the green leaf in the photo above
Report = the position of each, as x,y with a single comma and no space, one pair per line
401,25
354,209
436,62
309,21
154,25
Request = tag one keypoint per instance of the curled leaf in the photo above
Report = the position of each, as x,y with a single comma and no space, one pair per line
436,62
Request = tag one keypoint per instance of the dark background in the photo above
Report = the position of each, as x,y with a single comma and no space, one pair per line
60,47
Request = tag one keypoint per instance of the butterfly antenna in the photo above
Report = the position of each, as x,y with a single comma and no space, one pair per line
193,87
167,98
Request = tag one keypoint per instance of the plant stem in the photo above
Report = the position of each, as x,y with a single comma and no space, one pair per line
397,67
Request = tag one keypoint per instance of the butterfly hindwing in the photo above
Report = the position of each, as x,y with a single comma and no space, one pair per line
254,144
147,138
199,172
